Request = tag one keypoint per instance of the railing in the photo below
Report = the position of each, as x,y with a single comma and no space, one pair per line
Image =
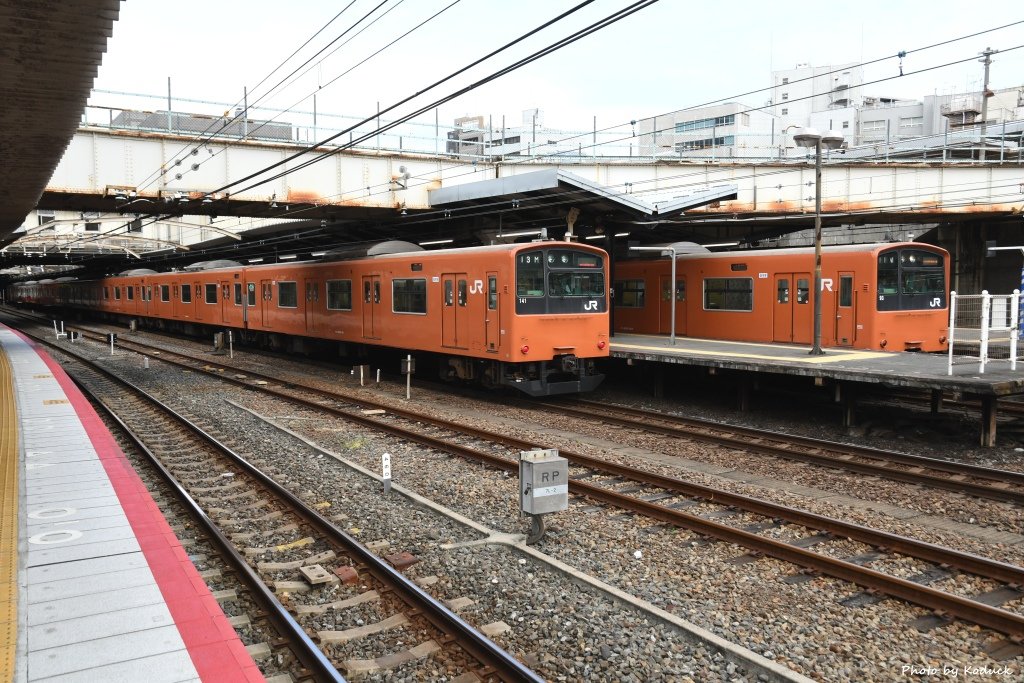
984,328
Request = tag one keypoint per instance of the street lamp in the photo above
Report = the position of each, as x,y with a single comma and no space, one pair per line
672,287
809,137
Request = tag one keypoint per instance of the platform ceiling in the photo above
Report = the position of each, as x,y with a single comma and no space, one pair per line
50,53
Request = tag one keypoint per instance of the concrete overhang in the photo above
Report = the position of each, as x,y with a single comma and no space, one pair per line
52,51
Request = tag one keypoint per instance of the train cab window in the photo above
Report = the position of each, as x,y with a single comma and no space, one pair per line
211,294
462,292
287,295
117,293
530,274
339,295
492,292
129,293
409,295
803,290
910,279
783,293
728,294
629,294
449,293
165,293
238,293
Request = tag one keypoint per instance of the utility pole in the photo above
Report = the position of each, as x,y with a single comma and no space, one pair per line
986,60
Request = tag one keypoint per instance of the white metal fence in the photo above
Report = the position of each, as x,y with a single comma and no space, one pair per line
983,328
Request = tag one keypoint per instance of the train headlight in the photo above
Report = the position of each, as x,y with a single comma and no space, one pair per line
600,345
524,349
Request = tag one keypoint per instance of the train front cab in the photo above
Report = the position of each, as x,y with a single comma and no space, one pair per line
560,319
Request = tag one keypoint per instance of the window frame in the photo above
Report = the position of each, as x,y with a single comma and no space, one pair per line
329,293
726,292
294,294
397,296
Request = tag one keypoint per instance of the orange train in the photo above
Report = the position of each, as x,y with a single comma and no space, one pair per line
873,296
529,316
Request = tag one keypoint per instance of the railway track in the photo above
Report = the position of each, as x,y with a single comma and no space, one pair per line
983,482
226,492
673,501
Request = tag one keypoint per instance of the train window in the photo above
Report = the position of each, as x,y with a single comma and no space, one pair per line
680,290
165,293
251,293
846,291
530,274
462,292
287,295
225,291
576,284
106,292
492,292
186,294
339,295
211,294
366,291
629,294
129,293
449,293
238,293
117,293
376,291
728,294
803,290
783,294
199,290
917,282
409,295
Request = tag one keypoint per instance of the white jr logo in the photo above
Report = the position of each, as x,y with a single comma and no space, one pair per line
935,303
826,284
477,288
590,305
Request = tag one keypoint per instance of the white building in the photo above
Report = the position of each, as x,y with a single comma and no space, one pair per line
725,131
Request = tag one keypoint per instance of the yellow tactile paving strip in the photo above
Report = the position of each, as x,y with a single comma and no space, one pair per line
832,356
8,521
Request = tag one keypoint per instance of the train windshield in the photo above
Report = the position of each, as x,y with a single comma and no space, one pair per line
911,279
560,280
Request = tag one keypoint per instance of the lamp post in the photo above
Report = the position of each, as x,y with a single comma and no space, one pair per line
672,286
809,137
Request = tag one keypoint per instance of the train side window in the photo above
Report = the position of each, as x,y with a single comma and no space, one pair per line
376,291
117,293
250,293
783,295
129,293
449,293
492,292
106,292
409,295
803,291
165,293
211,294
462,292
728,294
629,294
287,295
339,295
186,294
238,293
680,290
366,291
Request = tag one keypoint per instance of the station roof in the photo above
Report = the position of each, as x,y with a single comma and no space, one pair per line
51,54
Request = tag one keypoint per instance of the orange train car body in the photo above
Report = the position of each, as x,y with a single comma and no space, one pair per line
530,316
874,296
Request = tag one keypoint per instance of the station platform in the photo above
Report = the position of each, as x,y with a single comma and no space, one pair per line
94,585
847,369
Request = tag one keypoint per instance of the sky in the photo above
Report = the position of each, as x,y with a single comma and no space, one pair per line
671,55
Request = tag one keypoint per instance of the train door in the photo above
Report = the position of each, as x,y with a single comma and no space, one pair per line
791,314
371,306
665,303
312,304
454,314
197,300
492,317
266,302
846,311
225,301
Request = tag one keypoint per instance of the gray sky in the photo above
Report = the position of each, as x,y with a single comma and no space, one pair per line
672,55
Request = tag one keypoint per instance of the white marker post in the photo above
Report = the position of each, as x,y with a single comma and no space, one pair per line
385,461
231,345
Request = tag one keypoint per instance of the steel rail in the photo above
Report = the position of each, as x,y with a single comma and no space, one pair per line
504,665
943,603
